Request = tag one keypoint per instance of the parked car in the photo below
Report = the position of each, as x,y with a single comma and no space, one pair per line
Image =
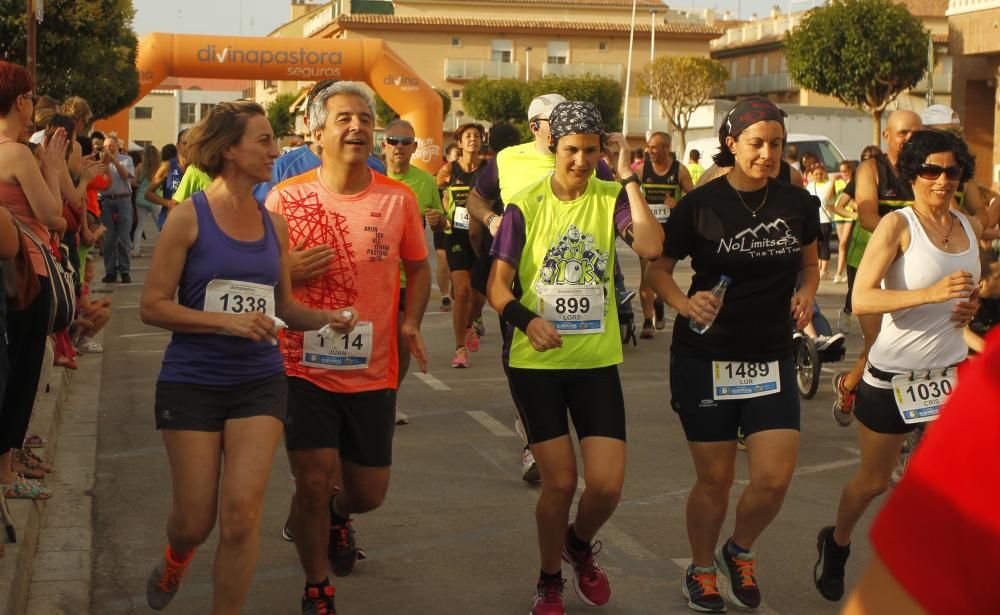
825,149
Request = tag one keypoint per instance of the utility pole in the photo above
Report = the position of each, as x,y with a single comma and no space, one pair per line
628,71
32,25
652,45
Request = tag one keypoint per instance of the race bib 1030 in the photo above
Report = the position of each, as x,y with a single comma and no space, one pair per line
920,398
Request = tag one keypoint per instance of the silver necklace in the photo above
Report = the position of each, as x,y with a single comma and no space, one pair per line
753,212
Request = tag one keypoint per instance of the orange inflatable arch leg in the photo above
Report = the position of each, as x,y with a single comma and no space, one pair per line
255,58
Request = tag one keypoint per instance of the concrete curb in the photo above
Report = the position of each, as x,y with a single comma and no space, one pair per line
24,562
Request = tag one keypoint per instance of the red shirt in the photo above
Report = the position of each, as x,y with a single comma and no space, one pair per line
939,533
99,183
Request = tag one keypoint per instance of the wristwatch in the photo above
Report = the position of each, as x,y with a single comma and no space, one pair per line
631,178
490,218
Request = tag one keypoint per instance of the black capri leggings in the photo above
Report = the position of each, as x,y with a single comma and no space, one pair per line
27,331
823,241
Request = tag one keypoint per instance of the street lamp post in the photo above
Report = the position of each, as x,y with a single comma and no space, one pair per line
31,39
527,61
628,71
652,45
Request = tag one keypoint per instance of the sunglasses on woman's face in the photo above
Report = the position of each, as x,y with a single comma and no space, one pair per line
396,141
934,171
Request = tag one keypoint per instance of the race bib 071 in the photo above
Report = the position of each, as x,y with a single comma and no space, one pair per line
573,309
744,379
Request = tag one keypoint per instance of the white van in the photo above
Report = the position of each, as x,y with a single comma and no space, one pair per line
825,149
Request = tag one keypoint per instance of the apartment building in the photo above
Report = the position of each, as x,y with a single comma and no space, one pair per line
754,55
178,103
450,42
975,39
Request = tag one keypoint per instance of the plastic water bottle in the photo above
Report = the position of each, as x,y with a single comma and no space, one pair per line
719,290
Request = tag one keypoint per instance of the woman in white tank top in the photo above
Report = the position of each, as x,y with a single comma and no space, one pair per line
920,272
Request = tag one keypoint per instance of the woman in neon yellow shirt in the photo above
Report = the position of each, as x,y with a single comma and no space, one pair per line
557,239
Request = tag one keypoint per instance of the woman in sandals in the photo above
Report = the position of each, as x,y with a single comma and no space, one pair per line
221,394
34,198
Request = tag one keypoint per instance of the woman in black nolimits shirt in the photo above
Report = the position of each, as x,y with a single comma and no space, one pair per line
740,373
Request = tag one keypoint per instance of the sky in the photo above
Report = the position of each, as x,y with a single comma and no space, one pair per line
258,17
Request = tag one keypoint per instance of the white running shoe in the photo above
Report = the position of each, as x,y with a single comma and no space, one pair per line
529,467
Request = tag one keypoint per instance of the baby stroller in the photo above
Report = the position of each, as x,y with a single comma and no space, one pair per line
810,356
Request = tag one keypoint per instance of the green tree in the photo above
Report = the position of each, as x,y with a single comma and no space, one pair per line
681,84
84,48
496,100
862,52
605,93
385,114
282,120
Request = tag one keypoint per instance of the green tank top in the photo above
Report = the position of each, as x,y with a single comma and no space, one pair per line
565,271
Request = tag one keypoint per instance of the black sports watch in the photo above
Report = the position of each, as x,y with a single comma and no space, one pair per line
631,178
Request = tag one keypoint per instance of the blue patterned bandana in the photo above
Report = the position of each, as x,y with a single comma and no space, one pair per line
575,118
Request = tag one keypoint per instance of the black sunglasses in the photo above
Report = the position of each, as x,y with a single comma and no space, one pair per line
934,171
399,140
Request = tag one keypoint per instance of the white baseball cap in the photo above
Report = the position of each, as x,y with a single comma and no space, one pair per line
543,105
939,115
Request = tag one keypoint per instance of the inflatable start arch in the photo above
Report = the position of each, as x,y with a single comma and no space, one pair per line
281,59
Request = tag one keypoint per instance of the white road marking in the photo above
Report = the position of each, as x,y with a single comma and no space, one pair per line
820,467
127,307
145,334
432,382
491,424
620,540
851,450
683,563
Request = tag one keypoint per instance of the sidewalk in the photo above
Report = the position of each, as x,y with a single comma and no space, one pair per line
48,570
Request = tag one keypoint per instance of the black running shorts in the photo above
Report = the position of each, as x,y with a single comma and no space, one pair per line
876,409
359,425
593,397
459,251
706,420
439,239
851,274
203,407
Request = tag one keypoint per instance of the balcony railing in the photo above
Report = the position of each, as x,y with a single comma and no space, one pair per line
942,84
957,7
760,84
461,69
321,19
612,71
757,30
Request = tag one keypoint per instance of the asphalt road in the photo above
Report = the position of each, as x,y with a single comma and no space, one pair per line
456,534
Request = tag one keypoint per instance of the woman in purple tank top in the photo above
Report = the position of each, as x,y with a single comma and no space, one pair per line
223,380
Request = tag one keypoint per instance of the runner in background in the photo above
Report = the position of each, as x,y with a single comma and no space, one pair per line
459,177
664,181
557,239
399,143
167,179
